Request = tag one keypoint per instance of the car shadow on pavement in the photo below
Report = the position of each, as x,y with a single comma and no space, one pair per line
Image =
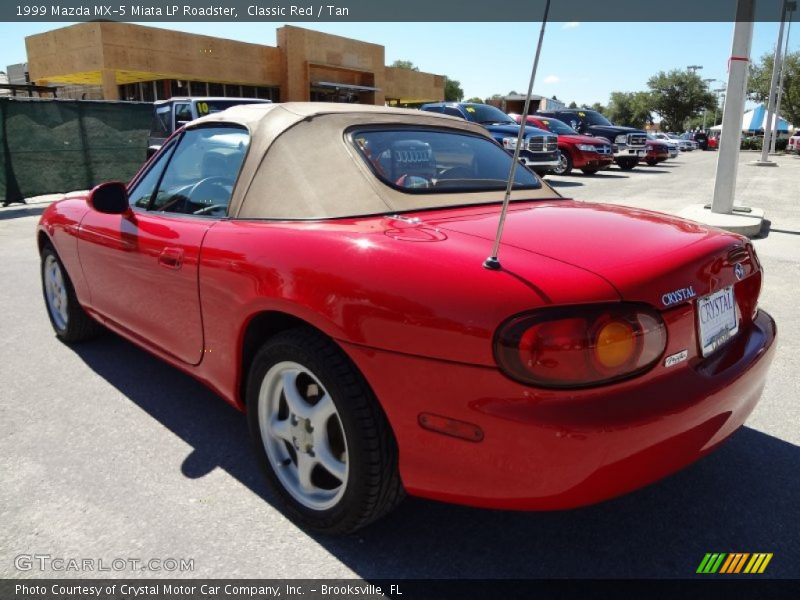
558,183
650,169
16,211
607,175
742,498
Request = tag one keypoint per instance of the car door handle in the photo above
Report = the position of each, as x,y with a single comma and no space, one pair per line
171,258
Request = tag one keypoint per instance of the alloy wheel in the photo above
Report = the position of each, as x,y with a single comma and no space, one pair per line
303,435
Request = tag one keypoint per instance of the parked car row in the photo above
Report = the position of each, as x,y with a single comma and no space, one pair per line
585,139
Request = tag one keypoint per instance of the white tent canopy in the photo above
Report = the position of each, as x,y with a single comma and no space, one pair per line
753,121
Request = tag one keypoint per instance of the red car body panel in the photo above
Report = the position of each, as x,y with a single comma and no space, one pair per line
569,144
407,298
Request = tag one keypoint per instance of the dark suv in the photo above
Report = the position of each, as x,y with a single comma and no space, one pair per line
630,145
540,150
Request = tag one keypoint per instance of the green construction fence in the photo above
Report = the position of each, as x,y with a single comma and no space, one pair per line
52,146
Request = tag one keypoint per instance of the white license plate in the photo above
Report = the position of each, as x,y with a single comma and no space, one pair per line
716,319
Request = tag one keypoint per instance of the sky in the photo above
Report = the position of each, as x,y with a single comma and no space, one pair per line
581,62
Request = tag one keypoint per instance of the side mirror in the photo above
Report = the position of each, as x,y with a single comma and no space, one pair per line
110,198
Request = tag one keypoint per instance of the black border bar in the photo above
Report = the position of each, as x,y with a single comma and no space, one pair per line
384,11
707,588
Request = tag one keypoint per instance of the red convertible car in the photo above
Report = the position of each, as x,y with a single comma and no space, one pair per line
321,267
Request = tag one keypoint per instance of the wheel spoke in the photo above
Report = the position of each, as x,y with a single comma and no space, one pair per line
281,429
330,463
297,404
305,465
321,412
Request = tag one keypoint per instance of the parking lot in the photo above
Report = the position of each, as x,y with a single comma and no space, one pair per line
108,453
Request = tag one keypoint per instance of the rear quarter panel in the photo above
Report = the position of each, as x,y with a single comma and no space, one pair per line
357,284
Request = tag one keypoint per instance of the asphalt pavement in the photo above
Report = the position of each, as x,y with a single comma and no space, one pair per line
108,453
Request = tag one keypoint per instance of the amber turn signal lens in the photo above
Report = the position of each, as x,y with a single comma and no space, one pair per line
615,344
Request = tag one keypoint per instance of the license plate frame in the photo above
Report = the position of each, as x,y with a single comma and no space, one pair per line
717,320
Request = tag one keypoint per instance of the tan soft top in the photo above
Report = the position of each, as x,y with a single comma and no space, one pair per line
300,164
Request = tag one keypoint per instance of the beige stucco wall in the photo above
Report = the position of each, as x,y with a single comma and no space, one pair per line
111,54
405,85
313,56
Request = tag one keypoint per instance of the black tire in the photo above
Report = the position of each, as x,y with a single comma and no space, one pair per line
75,325
626,164
565,166
651,162
590,171
372,487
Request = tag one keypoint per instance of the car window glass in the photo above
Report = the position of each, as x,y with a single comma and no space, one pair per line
557,127
200,177
183,113
572,119
431,161
161,125
453,112
139,196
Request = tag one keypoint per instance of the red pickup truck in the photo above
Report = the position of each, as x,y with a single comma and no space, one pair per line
584,152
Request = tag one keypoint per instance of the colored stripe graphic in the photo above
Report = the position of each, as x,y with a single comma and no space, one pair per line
742,560
703,563
758,563
727,564
724,563
711,562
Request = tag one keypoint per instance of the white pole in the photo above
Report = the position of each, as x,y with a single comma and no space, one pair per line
776,70
733,111
791,7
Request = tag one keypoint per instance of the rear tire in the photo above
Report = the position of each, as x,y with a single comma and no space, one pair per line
320,435
590,171
651,162
626,164
69,320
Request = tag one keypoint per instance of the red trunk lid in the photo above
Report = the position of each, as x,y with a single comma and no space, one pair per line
645,255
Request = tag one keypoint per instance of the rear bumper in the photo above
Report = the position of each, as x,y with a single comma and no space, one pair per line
545,450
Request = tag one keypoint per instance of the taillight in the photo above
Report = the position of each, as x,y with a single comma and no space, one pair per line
580,346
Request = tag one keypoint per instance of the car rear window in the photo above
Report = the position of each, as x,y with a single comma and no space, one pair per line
430,161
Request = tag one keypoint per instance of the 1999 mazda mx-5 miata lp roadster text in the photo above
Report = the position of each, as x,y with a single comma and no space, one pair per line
321,267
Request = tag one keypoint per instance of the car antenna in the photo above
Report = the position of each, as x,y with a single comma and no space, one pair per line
493,262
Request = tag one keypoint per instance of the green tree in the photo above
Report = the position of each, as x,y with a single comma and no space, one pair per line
475,100
572,105
405,64
596,106
678,96
760,78
452,90
630,108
